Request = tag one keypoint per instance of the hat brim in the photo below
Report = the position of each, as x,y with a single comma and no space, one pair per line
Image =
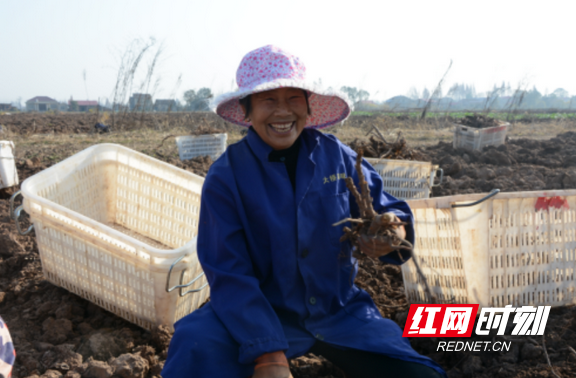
328,107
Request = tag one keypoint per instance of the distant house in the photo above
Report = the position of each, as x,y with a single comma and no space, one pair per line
165,105
8,108
84,106
41,104
140,101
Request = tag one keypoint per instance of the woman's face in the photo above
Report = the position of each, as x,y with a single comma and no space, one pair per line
279,116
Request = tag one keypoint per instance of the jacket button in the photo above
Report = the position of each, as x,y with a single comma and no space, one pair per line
312,300
319,337
305,253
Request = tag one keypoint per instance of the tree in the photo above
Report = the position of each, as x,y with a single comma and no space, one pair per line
198,101
355,95
559,99
462,91
561,93
493,97
425,94
363,95
413,93
18,103
533,100
351,92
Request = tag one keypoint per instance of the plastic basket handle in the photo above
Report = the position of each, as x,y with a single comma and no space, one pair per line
16,216
441,177
492,194
12,199
182,286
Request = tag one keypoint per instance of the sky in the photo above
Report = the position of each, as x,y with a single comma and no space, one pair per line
72,49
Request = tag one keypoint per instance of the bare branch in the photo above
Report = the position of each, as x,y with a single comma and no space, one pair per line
435,93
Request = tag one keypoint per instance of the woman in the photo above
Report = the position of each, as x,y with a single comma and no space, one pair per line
280,279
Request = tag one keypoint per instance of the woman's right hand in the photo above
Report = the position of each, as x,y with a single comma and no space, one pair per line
272,365
272,371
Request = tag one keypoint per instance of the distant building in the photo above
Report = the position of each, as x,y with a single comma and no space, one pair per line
8,108
41,104
165,105
84,106
140,101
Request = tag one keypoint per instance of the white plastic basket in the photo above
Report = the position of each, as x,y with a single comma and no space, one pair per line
78,207
212,145
515,248
406,179
471,138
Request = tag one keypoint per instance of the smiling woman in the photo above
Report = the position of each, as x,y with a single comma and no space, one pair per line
278,116
280,279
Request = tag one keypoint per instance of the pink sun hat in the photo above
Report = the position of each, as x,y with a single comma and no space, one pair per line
269,68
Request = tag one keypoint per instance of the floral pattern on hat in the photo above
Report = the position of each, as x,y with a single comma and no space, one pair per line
269,68
266,63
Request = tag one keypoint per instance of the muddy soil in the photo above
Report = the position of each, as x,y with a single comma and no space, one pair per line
479,121
198,165
57,334
70,123
518,165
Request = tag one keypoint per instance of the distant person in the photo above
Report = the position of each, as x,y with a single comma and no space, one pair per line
281,281
101,128
7,352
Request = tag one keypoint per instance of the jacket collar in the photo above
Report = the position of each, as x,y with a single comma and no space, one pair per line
262,150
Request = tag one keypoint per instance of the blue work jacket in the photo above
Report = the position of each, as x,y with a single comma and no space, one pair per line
279,276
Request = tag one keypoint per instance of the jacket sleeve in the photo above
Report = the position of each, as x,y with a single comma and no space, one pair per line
235,291
383,203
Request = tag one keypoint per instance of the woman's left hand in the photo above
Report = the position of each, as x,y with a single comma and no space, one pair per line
375,247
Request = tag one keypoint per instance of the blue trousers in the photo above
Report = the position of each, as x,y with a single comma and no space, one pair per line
203,347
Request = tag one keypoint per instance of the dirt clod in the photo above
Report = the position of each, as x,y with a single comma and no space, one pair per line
101,347
56,330
52,374
97,369
530,351
161,337
130,366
